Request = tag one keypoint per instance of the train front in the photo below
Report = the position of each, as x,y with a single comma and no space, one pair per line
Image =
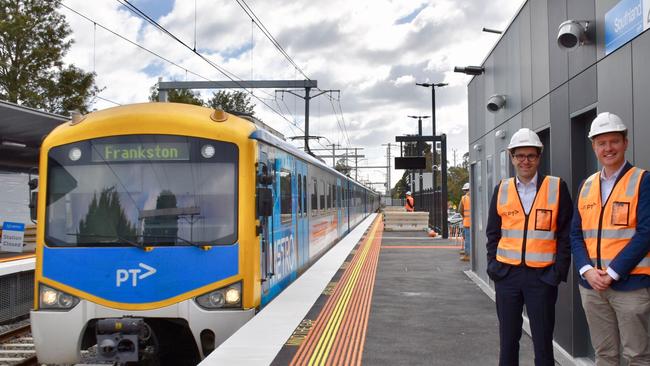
139,247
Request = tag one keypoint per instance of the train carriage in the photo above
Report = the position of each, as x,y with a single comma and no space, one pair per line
163,227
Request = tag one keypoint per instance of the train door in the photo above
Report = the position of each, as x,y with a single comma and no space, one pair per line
265,191
302,230
339,208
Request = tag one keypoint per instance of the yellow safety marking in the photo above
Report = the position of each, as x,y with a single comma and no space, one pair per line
324,345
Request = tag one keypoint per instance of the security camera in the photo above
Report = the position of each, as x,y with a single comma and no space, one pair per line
495,103
571,34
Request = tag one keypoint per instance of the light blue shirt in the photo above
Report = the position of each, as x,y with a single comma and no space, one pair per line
527,192
606,186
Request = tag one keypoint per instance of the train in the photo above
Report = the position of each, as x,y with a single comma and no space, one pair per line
164,227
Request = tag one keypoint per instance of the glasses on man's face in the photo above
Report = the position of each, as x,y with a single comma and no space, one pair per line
530,157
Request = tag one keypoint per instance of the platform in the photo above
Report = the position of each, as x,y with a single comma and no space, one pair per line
398,298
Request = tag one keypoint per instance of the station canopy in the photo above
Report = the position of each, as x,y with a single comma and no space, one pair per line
22,130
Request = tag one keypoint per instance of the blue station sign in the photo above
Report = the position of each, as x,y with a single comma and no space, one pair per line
624,21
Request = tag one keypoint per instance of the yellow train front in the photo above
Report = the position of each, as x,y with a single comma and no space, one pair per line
163,228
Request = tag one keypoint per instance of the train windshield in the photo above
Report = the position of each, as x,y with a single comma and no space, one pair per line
152,190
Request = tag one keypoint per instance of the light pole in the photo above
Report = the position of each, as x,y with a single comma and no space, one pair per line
433,87
419,147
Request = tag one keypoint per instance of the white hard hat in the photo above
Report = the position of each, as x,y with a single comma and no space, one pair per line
466,187
408,193
523,138
606,122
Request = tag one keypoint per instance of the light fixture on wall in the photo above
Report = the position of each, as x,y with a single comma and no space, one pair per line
478,147
500,134
13,144
470,70
572,33
496,102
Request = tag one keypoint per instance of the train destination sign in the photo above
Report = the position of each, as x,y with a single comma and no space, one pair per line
140,151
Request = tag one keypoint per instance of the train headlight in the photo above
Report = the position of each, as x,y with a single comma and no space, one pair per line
53,299
223,298
232,296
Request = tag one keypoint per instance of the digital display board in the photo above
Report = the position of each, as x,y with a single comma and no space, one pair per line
143,151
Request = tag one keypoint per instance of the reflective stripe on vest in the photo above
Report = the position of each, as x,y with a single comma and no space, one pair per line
608,228
532,236
467,221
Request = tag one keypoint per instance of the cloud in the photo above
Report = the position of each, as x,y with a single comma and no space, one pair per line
372,51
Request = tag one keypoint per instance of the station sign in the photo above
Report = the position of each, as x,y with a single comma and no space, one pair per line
13,235
624,21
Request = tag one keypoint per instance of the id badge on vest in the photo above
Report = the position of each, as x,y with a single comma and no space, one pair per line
543,219
620,213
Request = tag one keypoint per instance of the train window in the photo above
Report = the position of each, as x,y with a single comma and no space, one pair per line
329,196
285,195
299,194
304,196
321,195
314,197
334,195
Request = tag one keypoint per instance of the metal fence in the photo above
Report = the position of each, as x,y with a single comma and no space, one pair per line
16,295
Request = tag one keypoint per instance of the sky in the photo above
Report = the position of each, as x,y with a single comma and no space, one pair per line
372,51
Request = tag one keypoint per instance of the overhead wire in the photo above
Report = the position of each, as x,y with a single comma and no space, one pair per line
217,67
247,9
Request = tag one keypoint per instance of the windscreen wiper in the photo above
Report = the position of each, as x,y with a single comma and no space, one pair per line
116,239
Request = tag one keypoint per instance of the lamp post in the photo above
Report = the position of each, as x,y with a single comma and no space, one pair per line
433,87
419,147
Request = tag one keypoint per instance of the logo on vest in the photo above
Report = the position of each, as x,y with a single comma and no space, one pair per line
588,206
511,213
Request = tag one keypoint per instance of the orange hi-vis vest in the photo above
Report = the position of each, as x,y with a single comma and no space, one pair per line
409,205
528,239
608,228
467,220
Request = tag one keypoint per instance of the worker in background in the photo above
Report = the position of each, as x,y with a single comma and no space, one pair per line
610,240
464,208
410,203
528,249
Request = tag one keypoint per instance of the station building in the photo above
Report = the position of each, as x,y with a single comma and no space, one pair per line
556,87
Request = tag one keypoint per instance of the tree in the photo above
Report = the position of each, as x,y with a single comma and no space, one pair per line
342,167
235,102
456,177
106,220
34,37
186,96
401,187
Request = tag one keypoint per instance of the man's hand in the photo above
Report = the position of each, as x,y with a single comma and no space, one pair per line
606,278
598,279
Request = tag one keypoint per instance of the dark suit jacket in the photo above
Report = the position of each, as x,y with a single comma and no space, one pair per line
552,275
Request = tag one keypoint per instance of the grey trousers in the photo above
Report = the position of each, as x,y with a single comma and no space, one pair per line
618,318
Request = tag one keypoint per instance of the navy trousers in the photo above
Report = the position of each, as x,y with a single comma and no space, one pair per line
522,286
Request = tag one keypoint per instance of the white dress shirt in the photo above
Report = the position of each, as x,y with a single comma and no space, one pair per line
606,186
527,192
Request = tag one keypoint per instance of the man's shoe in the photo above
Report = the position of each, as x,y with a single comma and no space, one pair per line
462,252
464,258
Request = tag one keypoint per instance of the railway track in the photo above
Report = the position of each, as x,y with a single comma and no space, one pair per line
17,347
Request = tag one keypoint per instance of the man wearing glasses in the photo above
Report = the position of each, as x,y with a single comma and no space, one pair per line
610,239
528,249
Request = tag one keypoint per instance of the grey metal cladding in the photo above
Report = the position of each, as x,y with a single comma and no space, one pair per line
558,58
641,88
525,51
583,89
585,55
615,88
539,37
